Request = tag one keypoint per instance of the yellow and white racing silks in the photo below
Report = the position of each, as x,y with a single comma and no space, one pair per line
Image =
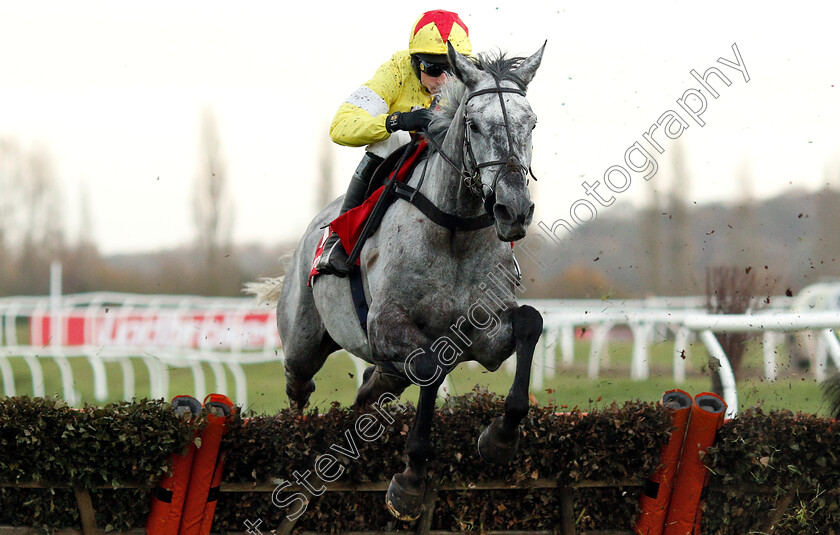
360,120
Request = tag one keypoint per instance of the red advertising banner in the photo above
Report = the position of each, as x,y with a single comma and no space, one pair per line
191,329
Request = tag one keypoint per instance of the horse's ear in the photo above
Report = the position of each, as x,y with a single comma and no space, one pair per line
464,69
528,68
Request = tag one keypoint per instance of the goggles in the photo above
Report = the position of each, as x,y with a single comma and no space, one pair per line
433,69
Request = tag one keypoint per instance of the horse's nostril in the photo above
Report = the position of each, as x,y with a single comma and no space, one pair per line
503,212
529,216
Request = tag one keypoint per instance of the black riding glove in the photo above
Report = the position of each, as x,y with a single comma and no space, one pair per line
408,120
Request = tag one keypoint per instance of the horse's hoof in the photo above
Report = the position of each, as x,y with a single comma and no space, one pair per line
363,396
299,395
493,449
367,373
404,501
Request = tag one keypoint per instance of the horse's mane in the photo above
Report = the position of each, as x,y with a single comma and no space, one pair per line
451,95
453,92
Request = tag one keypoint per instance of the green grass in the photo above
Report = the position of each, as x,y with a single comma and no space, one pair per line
569,388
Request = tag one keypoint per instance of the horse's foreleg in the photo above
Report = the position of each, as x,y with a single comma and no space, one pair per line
498,442
405,493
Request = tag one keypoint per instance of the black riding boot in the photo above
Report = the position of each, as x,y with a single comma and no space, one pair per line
334,258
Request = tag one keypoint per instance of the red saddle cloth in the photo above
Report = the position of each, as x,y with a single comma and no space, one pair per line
349,225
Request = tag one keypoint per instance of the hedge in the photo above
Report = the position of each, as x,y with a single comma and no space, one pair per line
795,455
45,440
758,459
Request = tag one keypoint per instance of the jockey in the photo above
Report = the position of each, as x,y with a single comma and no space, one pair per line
383,110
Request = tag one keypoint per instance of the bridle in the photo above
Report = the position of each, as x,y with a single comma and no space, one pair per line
471,174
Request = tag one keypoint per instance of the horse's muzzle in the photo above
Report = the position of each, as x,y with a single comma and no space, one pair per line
512,222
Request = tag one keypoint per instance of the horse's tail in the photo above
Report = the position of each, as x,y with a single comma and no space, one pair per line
267,289
831,392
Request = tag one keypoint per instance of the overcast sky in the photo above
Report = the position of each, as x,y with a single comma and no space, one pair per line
115,90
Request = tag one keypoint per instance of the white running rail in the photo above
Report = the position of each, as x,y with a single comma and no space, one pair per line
563,320
226,333
163,331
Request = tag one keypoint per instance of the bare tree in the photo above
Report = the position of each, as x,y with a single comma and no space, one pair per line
213,209
42,220
84,270
826,253
730,290
10,170
324,193
31,219
652,239
84,235
680,248
744,246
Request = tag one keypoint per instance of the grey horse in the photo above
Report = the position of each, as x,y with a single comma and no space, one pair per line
441,292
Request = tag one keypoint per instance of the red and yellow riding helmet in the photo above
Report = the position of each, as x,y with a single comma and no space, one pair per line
434,29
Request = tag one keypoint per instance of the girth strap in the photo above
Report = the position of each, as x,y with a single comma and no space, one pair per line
438,216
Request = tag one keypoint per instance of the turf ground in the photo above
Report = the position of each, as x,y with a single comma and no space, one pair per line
795,389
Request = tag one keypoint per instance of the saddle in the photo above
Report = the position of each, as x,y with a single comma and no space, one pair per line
389,165
357,224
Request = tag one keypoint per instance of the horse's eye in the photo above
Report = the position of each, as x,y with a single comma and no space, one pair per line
473,126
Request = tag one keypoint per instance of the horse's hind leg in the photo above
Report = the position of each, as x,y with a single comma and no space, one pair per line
499,441
306,343
301,364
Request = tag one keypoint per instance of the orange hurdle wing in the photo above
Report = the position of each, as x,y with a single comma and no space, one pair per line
657,492
171,491
206,470
692,476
